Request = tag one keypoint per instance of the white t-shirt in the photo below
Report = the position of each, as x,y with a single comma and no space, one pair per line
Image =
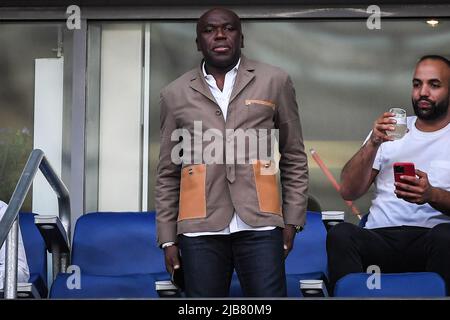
430,153
23,273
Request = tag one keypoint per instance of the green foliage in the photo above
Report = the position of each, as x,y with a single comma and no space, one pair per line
15,147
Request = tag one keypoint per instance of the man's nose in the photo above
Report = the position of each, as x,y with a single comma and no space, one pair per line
424,91
220,33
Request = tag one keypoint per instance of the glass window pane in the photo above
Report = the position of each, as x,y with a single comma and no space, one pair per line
345,76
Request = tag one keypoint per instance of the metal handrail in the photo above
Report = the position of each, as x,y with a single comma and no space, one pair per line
9,223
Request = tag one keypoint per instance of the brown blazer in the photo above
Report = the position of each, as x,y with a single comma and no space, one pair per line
203,196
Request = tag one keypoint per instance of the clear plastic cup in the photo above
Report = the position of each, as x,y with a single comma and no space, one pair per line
400,126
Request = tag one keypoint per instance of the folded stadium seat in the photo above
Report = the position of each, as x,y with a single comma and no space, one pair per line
117,256
307,260
419,284
35,251
408,284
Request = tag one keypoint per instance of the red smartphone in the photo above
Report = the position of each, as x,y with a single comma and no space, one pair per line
403,169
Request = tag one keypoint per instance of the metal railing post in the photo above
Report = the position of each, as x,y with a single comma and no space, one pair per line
9,225
10,287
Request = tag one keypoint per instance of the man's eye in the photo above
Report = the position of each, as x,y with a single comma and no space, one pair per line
208,29
416,84
229,28
435,85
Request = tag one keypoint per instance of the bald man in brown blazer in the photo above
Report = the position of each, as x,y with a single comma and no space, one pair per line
218,198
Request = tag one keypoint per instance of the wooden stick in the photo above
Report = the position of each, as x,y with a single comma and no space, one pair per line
333,181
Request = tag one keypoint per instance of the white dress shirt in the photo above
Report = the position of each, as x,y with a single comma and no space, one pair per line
223,99
23,273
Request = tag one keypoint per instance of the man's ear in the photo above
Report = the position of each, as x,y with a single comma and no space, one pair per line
242,40
198,45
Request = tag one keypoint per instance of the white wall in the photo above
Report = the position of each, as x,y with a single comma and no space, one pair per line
120,118
48,110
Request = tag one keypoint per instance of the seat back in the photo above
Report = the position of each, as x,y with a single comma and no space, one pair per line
309,254
420,284
313,204
35,251
113,244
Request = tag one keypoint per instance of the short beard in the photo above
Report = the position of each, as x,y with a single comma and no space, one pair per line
436,111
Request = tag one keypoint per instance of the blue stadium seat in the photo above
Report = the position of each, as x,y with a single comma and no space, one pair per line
408,284
420,284
117,255
35,251
307,260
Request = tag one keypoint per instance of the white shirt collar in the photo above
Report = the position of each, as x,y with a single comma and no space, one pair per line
235,68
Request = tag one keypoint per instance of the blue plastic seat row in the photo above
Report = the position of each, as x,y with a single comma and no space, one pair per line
118,258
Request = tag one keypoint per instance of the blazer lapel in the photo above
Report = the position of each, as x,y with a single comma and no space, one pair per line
244,77
199,85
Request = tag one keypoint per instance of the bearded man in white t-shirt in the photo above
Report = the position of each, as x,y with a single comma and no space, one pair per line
408,226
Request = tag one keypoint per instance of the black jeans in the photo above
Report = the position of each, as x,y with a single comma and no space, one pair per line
208,263
351,249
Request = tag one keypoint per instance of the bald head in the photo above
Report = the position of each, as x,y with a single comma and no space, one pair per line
205,15
435,57
436,67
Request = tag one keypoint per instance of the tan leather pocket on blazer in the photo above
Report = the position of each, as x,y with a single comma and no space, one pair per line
192,192
267,186
261,102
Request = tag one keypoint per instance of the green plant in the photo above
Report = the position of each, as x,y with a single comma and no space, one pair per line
15,147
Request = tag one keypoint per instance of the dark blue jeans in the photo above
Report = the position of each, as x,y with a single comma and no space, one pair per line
208,263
